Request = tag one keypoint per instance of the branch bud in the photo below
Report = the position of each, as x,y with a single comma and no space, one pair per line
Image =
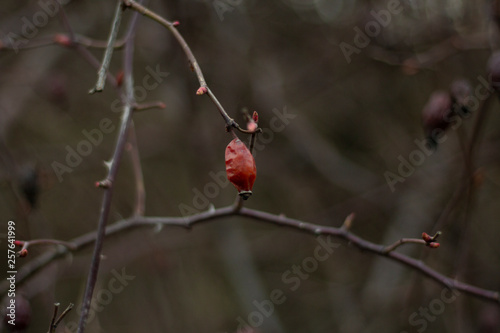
63,40
433,245
23,253
201,91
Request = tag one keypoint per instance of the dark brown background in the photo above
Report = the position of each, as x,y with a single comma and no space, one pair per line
353,120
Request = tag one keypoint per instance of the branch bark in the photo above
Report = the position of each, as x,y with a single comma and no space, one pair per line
278,220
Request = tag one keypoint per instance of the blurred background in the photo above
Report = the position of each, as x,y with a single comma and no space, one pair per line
339,87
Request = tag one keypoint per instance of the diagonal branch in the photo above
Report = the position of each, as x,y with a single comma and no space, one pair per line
171,26
103,70
279,220
113,165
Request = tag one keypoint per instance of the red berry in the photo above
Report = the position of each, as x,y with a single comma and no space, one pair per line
240,167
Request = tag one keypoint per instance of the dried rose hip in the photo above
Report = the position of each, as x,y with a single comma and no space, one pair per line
240,167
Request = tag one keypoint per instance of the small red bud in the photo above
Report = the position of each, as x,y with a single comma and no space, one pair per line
433,245
255,117
201,91
240,167
23,253
176,23
63,40
18,243
426,237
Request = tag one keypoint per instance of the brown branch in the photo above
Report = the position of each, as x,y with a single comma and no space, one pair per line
402,241
103,70
148,106
52,326
64,39
204,89
114,165
279,220
55,322
26,244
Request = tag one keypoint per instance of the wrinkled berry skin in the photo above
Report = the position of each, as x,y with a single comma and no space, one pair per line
240,167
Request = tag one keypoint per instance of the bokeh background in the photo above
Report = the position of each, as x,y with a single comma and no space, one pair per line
350,121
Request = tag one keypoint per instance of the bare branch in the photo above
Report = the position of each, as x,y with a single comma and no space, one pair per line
54,323
278,220
101,79
126,120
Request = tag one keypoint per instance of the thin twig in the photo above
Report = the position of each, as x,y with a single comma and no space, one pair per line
65,312
54,323
101,74
112,172
402,241
148,106
52,326
189,54
26,244
55,39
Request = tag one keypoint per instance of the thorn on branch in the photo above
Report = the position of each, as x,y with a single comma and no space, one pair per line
348,222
